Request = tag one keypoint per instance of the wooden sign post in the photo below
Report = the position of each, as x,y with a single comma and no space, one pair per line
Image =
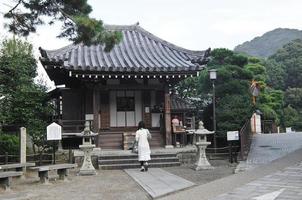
54,133
232,136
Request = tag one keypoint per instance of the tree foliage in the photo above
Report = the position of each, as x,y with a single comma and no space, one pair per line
232,99
275,74
290,58
292,118
23,103
9,143
26,15
285,72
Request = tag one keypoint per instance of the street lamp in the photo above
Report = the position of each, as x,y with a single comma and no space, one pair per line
213,77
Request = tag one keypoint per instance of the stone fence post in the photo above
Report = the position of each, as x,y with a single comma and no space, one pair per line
22,145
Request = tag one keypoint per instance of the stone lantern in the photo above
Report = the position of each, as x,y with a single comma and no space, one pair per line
87,147
201,144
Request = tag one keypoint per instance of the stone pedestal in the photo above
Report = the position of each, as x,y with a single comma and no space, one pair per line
87,167
201,159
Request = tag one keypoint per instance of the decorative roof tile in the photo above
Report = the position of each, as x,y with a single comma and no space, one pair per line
139,51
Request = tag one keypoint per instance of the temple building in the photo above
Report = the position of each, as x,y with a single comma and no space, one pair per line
117,89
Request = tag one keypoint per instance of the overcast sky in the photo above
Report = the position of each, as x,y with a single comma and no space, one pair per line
191,24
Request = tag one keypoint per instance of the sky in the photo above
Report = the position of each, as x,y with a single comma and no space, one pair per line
191,24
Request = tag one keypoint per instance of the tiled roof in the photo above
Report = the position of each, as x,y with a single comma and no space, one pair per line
139,51
178,104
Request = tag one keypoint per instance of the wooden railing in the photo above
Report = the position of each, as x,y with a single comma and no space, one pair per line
245,136
73,126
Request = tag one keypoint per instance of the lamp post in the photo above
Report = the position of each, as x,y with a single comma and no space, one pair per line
213,77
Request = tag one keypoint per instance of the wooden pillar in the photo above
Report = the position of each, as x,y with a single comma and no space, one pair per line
96,108
146,103
168,118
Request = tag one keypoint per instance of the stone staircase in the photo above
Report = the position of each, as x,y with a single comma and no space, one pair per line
114,140
111,140
131,161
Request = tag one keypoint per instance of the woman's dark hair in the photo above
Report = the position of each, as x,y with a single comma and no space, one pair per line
141,124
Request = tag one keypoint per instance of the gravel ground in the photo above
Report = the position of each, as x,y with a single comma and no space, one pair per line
108,184
221,169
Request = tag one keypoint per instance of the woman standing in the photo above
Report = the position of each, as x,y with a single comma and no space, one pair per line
142,136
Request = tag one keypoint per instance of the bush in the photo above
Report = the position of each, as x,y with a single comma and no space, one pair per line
9,143
291,117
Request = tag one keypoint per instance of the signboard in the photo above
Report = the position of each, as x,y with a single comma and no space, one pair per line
54,132
288,129
89,117
147,109
232,135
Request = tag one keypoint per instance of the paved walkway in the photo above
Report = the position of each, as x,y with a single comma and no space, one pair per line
272,175
268,147
226,186
285,184
158,182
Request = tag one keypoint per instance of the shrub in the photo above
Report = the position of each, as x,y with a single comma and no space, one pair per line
9,143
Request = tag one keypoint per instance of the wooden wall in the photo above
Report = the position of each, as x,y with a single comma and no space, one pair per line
105,110
73,105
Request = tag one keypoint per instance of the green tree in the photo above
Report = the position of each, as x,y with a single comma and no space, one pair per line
290,58
292,118
23,102
26,15
233,101
294,98
275,74
285,72
9,143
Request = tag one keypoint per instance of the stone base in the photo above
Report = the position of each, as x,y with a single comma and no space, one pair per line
204,167
169,147
87,172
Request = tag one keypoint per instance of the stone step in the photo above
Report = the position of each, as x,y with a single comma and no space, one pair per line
134,160
115,141
137,165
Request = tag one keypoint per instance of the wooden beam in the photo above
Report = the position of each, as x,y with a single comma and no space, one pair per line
133,87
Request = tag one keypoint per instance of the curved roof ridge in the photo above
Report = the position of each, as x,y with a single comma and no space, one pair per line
136,26
65,49
171,58
169,44
112,27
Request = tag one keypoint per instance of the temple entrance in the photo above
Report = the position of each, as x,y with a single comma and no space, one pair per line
125,108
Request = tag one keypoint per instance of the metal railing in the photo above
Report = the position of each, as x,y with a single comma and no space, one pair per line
245,136
39,159
221,152
8,159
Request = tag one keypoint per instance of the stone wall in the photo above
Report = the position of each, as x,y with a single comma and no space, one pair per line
187,158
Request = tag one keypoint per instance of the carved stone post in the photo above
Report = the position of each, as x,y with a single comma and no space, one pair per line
22,145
